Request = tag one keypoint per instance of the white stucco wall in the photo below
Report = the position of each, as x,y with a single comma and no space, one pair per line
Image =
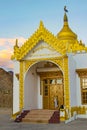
81,60
78,90
16,88
72,78
81,63
32,97
76,61
40,102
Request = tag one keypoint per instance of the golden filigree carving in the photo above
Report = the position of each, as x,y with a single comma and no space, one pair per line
21,88
41,34
66,84
61,46
58,61
79,110
65,42
81,72
28,64
62,63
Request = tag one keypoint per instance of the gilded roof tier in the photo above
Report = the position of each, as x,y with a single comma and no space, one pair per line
65,42
66,32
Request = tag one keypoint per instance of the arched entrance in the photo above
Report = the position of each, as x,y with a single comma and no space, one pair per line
43,86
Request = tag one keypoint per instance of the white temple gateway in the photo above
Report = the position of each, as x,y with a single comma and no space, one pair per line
50,72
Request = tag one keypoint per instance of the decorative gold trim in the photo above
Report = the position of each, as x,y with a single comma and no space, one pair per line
21,88
51,74
42,47
78,110
28,64
58,61
62,62
42,34
66,84
81,72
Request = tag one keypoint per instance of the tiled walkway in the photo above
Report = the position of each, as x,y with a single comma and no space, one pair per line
7,124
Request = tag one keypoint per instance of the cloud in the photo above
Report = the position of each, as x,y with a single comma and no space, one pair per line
6,50
5,54
11,41
5,60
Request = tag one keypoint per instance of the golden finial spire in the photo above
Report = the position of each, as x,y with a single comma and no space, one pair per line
65,15
41,24
16,43
65,18
66,32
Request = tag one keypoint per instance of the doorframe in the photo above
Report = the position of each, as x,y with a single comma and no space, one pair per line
45,76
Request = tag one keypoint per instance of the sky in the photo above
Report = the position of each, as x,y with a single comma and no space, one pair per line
19,19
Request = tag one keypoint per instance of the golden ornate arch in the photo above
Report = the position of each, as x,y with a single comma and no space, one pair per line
61,61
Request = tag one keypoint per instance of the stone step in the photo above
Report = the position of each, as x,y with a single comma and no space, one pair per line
41,111
37,120
39,116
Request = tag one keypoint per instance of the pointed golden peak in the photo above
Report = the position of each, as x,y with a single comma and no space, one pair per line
65,15
41,24
16,43
66,33
65,18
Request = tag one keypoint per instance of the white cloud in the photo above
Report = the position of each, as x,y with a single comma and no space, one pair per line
6,50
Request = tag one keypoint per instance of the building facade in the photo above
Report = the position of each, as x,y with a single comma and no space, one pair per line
50,72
